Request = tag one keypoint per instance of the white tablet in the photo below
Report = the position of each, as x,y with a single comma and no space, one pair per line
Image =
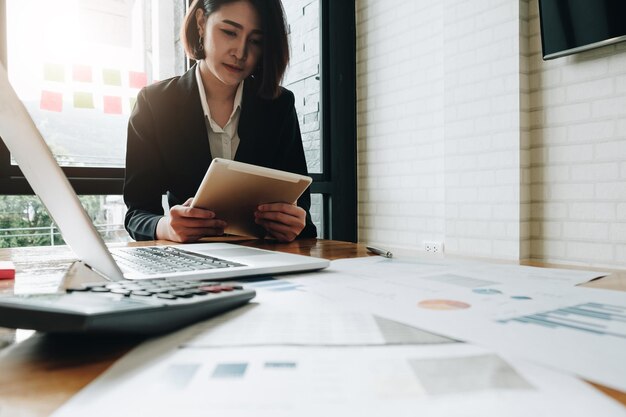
234,190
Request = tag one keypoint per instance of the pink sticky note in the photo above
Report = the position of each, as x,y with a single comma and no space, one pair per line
112,105
137,79
51,101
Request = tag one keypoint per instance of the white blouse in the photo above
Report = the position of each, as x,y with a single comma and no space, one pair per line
223,142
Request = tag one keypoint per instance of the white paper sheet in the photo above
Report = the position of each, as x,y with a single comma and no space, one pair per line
580,330
296,318
160,380
304,348
466,273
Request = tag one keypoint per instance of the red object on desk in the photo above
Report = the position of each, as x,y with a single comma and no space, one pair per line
7,270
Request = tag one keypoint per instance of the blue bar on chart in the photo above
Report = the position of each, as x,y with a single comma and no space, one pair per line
229,370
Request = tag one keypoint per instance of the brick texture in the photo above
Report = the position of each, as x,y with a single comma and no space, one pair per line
468,137
302,78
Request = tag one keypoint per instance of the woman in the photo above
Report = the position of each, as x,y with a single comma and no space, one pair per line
229,105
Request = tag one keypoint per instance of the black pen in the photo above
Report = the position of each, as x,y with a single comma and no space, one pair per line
380,252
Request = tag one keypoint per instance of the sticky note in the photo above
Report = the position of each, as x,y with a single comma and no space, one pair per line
112,77
112,105
137,79
7,270
83,100
51,101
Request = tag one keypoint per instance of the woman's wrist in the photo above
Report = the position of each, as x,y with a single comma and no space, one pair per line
163,229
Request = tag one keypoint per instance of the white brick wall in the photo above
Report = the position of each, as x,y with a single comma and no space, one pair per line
579,146
400,121
482,94
466,136
438,124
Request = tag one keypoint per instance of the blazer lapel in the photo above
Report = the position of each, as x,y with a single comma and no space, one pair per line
249,126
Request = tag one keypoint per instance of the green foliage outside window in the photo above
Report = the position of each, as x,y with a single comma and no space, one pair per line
24,221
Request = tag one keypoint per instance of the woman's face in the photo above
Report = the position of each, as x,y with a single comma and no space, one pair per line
232,41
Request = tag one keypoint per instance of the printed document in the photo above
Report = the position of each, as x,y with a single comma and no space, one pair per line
574,329
380,368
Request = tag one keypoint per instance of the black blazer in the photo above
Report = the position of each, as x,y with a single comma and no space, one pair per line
168,151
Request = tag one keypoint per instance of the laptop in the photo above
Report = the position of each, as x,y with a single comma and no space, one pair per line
200,261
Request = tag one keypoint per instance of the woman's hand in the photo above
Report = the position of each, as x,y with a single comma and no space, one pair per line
187,224
281,220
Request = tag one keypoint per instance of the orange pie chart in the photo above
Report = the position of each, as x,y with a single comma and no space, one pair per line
443,305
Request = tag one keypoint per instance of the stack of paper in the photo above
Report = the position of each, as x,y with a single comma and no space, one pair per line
293,353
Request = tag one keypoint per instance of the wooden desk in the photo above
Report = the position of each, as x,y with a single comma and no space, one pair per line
38,372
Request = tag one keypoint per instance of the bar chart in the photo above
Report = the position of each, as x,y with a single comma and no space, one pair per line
597,318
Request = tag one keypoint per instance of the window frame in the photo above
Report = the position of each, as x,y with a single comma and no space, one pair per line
337,183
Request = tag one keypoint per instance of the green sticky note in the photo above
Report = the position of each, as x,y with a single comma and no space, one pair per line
132,102
83,100
112,77
54,72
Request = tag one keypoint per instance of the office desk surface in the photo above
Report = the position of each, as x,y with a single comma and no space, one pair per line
39,372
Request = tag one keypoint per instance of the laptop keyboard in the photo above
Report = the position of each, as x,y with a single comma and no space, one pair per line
163,260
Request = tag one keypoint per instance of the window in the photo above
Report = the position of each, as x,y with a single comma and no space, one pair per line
25,221
322,76
303,74
303,78
78,65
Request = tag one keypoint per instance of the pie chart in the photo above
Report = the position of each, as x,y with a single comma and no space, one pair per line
443,305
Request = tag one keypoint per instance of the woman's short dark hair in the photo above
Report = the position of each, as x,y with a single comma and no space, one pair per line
275,50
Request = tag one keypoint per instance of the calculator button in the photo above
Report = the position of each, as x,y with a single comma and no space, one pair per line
76,289
183,294
212,289
166,296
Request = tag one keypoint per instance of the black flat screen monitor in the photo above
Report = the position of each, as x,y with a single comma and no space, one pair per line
572,26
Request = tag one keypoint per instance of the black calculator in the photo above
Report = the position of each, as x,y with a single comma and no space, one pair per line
140,307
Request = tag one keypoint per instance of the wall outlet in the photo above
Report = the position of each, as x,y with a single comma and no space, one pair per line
433,246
